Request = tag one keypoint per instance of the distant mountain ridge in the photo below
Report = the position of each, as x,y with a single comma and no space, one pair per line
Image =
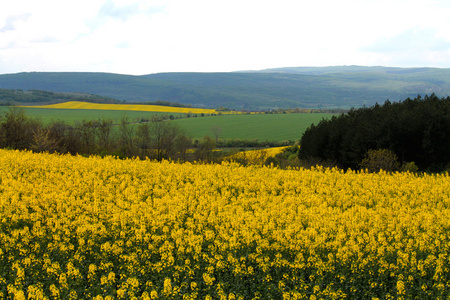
303,87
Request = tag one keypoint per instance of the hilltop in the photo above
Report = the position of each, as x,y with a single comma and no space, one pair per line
302,87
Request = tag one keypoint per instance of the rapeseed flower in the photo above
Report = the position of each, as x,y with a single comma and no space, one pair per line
75,227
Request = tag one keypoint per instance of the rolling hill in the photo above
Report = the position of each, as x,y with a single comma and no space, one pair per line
303,87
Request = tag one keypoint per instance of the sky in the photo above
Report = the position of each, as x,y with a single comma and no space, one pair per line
139,37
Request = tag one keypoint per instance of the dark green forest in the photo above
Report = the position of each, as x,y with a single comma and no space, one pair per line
414,130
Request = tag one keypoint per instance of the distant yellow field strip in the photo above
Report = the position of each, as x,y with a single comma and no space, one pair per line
134,107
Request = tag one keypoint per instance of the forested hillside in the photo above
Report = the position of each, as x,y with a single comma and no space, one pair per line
328,87
414,130
13,97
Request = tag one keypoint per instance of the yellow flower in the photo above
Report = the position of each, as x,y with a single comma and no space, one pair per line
123,223
167,287
154,294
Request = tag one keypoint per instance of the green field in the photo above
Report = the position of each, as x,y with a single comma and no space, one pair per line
70,116
270,127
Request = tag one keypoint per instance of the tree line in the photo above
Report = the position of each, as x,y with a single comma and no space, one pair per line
156,139
414,130
9,97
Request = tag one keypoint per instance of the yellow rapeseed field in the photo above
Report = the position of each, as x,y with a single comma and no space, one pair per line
136,107
73,227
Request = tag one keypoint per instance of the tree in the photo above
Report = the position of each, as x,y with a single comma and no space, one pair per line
86,133
217,131
42,141
59,132
143,139
380,159
163,137
104,134
126,137
205,149
182,144
16,129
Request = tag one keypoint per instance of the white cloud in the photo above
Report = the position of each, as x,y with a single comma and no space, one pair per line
145,36
412,40
11,21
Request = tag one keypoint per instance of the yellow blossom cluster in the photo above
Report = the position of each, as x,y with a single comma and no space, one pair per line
75,227
256,157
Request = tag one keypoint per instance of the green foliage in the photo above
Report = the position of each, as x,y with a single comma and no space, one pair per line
205,149
409,167
9,97
380,159
15,129
286,158
416,130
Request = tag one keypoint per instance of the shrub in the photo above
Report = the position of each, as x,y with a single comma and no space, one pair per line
409,167
380,159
